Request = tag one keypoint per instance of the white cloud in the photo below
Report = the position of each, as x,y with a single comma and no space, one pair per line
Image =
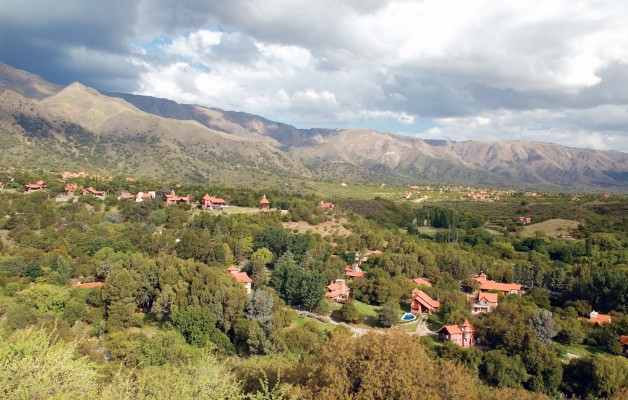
531,69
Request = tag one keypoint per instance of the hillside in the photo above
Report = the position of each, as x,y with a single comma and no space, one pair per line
197,143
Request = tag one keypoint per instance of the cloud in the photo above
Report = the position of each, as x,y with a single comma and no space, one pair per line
531,69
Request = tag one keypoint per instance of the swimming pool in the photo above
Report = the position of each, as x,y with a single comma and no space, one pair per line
408,317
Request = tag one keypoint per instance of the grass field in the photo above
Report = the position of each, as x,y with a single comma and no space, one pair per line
552,228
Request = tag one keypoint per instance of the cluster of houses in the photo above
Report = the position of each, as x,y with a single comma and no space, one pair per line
35,187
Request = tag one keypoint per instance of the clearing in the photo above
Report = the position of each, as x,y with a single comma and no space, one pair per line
552,228
334,227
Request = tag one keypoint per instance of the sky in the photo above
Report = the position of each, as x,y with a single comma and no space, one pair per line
550,70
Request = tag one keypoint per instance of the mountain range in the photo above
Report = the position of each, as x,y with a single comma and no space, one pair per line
76,127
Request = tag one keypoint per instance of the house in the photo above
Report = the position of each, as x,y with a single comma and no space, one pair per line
125,196
354,271
485,303
242,277
338,291
421,281
34,187
1,185
324,204
70,188
422,303
524,220
487,285
624,346
462,335
93,192
87,285
212,203
141,196
599,319
264,204
172,198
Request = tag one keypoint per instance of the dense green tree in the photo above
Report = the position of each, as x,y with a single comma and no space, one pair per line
313,289
389,314
498,369
350,313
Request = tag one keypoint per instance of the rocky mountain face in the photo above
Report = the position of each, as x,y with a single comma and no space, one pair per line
146,136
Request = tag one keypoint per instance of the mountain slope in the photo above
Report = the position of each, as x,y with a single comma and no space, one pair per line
146,136
28,85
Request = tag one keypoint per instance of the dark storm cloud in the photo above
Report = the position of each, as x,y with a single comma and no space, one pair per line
68,40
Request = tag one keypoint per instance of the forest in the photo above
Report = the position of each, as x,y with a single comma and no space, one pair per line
118,299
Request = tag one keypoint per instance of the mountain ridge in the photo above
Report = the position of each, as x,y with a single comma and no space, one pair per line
187,141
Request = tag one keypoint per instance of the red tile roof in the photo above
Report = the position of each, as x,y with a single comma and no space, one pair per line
264,200
490,297
624,340
600,319
233,268
425,299
421,281
242,277
487,284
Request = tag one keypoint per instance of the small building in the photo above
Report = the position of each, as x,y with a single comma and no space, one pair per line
172,198
327,205
125,196
524,220
212,203
241,277
422,303
354,271
264,204
1,185
338,291
70,188
485,303
34,187
599,319
141,196
421,281
90,191
462,335
506,288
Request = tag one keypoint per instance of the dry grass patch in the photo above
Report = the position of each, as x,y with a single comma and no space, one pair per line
552,228
335,227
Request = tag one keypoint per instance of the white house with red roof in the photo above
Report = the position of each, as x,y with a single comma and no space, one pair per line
212,203
422,303
484,303
141,196
506,288
241,277
338,291
462,335
599,319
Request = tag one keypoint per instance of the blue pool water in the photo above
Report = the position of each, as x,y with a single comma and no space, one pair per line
408,317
